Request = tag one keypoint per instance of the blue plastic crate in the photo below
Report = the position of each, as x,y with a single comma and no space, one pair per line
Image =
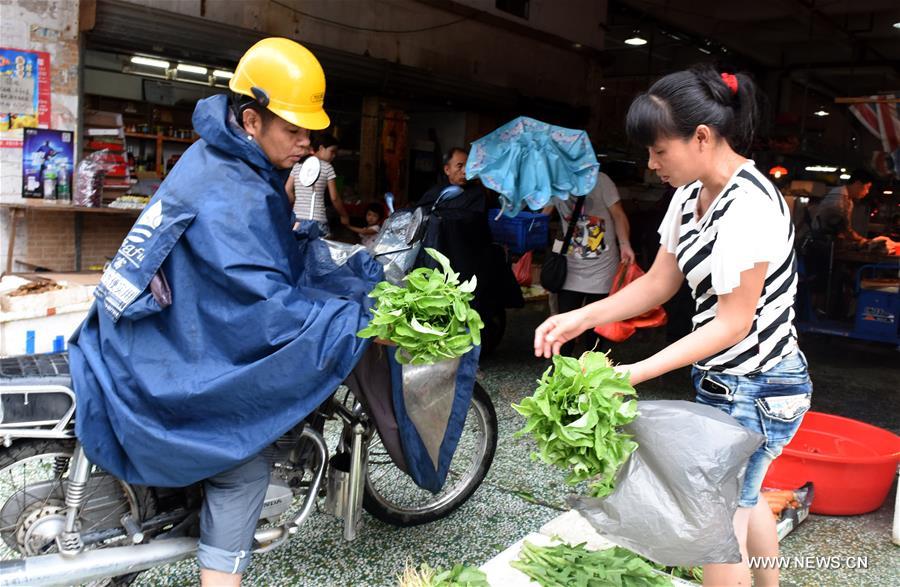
524,232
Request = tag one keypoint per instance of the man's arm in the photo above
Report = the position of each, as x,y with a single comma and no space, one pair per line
338,202
849,233
623,232
289,188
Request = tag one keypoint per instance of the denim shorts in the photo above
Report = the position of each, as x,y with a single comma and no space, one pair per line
770,403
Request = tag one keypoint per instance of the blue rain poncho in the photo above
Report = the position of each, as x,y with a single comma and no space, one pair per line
260,331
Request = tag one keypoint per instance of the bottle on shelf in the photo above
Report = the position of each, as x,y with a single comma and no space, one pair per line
49,182
63,185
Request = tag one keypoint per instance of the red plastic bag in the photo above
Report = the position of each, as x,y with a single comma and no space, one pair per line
619,331
616,331
522,270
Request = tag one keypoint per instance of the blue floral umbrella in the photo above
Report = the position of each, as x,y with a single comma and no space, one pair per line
528,162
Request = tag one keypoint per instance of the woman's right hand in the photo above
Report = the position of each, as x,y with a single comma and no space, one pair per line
558,330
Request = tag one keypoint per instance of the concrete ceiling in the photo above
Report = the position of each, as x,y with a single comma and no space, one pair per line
844,47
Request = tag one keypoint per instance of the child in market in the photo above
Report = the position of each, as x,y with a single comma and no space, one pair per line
309,200
374,217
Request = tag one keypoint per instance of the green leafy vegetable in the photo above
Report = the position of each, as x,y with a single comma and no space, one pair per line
575,415
430,319
564,565
693,574
458,576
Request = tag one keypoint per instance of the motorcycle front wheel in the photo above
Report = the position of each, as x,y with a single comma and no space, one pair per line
392,496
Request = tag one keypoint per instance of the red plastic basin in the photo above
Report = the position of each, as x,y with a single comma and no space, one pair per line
851,464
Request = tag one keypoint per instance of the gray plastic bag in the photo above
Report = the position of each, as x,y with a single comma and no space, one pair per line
676,496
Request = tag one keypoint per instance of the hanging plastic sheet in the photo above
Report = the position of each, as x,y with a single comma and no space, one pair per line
397,244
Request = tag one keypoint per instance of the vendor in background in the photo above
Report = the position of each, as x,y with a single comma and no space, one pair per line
600,242
459,229
728,232
309,201
835,212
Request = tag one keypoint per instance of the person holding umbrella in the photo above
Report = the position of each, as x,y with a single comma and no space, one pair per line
728,232
601,241
459,229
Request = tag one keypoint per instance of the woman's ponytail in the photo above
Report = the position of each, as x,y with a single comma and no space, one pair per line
678,103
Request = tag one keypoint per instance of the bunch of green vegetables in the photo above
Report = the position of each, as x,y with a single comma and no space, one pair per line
564,565
575,416
692,574
458,576
430,319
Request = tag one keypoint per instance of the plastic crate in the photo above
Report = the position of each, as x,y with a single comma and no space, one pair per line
524,232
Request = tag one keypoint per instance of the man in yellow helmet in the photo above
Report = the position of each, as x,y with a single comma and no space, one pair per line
214,333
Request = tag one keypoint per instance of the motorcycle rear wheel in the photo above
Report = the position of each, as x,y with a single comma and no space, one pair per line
34,463
392,497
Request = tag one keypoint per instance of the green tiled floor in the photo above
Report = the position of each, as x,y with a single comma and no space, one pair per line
519,495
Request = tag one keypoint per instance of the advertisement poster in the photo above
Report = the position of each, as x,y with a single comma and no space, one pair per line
24,89
47,157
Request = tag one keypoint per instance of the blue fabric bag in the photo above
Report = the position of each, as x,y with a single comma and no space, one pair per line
429,462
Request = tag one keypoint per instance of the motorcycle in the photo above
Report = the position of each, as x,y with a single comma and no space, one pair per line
64,521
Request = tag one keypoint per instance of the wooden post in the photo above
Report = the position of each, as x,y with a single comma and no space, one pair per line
369,149
14,215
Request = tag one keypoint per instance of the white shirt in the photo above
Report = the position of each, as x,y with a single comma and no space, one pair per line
747,223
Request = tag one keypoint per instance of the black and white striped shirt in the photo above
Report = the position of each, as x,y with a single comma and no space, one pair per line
747,223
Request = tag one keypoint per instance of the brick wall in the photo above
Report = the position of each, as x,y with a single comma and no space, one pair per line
102,234
50,26
51,239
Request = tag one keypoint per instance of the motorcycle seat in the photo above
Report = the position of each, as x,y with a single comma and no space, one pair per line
44,369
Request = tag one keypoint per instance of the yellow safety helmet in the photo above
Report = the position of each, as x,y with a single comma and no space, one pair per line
286,78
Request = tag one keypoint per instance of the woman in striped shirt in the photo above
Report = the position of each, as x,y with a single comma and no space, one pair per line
729,233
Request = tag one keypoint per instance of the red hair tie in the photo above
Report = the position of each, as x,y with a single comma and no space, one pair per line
730,81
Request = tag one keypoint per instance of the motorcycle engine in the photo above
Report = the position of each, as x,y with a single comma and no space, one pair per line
278,500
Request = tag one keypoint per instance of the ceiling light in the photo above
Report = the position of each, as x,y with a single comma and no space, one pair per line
843,170
576,45
636,40
897,25
150,62
192,68
822,168
602,88
845,176
223,73
704,50
821,112
888,192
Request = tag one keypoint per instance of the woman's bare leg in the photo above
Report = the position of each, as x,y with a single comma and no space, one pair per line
762,541
728,575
